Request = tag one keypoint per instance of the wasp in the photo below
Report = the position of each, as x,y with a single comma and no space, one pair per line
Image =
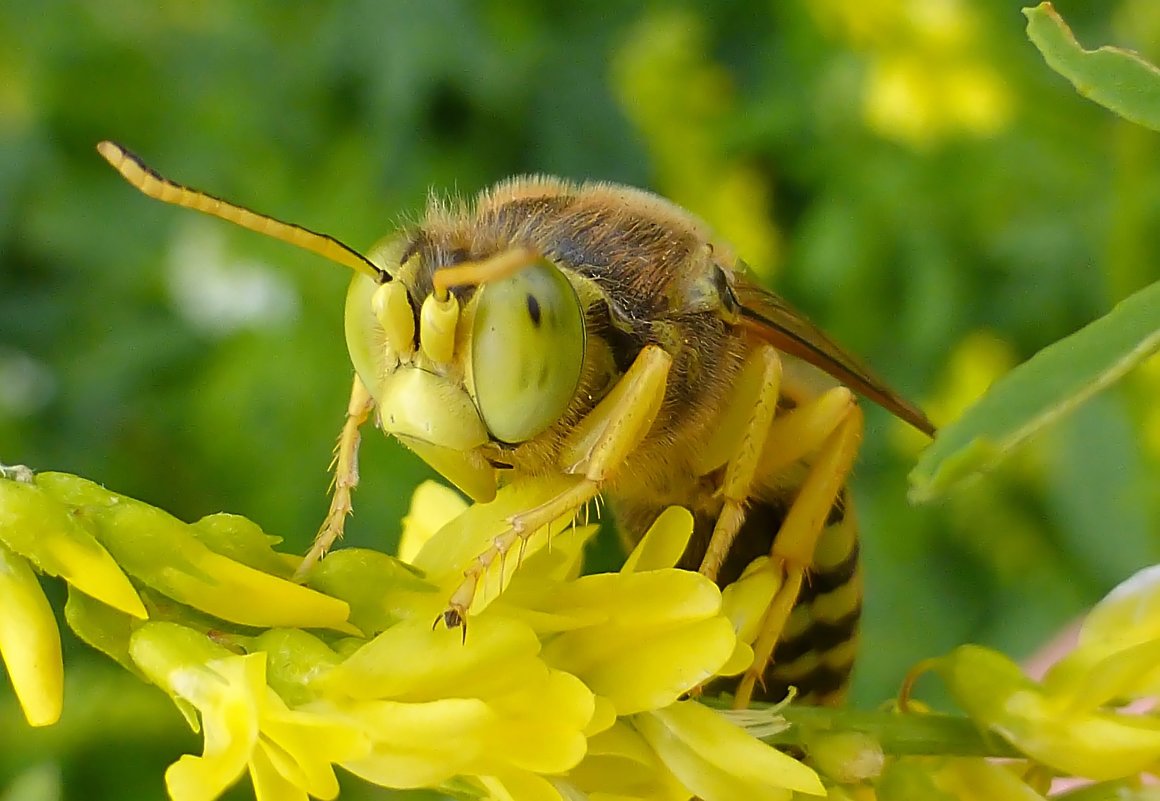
602,333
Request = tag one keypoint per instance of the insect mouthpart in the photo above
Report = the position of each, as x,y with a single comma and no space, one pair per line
406,361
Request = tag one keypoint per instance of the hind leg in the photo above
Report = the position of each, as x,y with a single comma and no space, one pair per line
795,542
816,650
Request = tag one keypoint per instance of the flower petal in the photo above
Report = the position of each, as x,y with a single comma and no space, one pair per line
471,533
29,641
269,783
308,744
603,716
230,721
739,660
641,601
561,561
410,661
542,724
623,741
1127,615
556,694
663,544
730,749
622,765
100,626
746,600
703,779
419,745
980,780
519,786
1089,677
645,671
432,507
159,550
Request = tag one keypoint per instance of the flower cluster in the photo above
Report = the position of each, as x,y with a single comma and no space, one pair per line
1092,716
565,686
928,75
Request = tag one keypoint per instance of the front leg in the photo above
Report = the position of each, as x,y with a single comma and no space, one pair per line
598,445
345,466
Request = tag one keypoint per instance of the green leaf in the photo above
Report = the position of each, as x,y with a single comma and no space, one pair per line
1038,392
1116,79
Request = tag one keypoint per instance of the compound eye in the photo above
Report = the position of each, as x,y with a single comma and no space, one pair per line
364,335
527,349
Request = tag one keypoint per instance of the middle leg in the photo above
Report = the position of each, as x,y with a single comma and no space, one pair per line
741,467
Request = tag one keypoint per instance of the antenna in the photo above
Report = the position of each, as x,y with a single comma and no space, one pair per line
158,187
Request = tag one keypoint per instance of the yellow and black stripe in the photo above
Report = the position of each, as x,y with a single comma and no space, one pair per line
817,650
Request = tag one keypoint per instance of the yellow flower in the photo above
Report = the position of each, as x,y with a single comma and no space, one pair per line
39,527
168,555
443,556
561,673
949,779
912,98
719,761
538,729
1070,722
289,753
642,639
1117,656
1048,726
621,764
927,78
565,686
650,633
980,779
37,531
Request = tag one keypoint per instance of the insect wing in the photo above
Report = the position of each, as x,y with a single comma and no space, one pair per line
772,319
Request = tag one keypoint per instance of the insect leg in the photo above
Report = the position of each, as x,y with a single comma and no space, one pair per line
815,652
800,432
743,463
794,545
598,446
345,466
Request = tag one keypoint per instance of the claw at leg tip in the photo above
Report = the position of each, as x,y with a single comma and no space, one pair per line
452,618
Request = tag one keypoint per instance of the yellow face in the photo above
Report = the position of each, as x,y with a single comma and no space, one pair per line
448,376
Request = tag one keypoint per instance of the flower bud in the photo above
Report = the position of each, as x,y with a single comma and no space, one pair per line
846,757
41,528
29,641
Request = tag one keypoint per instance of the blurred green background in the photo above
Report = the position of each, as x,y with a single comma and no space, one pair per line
909,172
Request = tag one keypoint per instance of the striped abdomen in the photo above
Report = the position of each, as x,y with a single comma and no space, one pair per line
816,652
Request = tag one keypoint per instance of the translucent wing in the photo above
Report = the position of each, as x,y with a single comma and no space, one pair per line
772,319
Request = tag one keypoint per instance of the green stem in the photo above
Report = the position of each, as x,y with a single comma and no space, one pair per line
899,734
